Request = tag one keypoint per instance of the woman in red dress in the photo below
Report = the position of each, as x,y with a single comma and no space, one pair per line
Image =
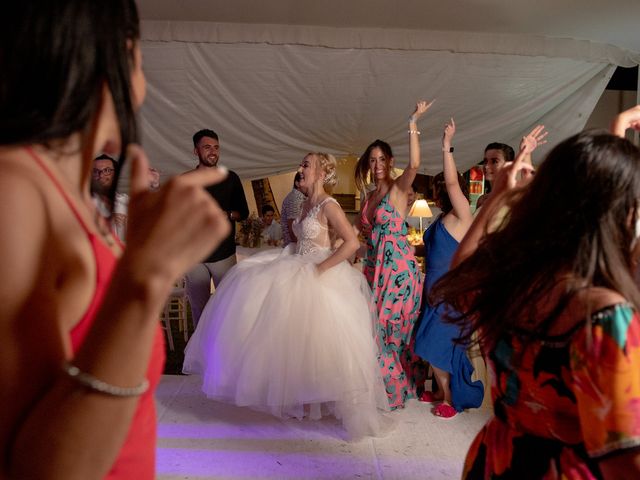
81,350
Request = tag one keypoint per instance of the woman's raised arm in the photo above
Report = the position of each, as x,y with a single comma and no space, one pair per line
405,180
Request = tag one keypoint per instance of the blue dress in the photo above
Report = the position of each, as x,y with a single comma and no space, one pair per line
434,340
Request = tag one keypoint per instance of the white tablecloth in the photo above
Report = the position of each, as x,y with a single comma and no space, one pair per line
244,252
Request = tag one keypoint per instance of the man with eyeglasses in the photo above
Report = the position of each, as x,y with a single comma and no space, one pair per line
109,205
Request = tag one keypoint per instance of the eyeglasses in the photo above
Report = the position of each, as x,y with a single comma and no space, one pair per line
98,172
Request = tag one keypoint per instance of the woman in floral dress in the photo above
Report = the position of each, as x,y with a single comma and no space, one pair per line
552,298
389,265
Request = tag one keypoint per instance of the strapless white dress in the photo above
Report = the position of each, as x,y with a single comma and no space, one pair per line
279,337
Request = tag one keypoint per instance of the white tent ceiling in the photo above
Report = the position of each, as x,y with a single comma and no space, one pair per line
280,78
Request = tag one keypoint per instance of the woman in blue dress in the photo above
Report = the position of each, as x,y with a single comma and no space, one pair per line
435,339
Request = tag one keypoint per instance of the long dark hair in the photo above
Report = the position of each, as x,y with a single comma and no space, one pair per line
441,194
55,58
571,222
362,167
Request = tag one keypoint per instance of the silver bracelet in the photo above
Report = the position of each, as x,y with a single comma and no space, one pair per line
92,383
414,131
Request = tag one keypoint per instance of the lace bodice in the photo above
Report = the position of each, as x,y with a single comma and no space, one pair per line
312,234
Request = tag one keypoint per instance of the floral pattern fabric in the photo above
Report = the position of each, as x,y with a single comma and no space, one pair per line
570,400
394,277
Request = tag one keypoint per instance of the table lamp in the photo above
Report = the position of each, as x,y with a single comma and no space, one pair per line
420,209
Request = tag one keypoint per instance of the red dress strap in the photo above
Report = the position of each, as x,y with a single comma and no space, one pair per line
104,258
136,458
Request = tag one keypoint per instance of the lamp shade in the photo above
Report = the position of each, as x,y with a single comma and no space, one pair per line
420,209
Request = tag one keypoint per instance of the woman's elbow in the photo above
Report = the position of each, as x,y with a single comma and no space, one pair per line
352,245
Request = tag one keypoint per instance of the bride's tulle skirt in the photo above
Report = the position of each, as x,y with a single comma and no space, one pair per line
279,337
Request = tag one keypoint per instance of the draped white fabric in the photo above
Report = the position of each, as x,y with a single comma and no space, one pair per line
274,93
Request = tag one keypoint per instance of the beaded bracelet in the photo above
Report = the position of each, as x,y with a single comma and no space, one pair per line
92,383
414,131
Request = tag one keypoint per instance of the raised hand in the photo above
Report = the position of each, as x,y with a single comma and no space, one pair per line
421,107
534,139
628,119
513,174
449,132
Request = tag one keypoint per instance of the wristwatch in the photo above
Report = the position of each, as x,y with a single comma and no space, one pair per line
450,149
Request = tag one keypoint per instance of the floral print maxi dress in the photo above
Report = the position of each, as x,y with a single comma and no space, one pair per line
394,277
569,400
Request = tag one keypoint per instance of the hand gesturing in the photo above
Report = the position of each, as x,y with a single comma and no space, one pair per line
421,107
628,119
449,132
533,139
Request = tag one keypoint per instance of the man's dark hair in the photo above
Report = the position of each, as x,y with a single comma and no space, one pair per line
199,135
267,208
506,150
104,156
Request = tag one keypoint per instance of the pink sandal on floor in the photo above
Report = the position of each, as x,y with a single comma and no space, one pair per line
429,397
444,410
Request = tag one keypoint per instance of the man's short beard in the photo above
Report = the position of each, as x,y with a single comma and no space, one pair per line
99,189
204,161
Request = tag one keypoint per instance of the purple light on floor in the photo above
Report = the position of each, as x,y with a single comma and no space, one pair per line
231,431
218,462
258,464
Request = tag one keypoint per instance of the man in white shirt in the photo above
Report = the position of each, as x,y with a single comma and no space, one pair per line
110,205
271,231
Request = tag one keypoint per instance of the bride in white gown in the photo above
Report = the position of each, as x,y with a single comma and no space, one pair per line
291,332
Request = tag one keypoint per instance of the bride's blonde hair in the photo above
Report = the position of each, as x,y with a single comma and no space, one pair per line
327,164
